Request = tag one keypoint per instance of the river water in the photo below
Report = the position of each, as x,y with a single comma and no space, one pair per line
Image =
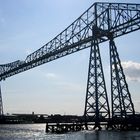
37,132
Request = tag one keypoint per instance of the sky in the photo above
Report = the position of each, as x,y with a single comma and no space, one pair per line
58,87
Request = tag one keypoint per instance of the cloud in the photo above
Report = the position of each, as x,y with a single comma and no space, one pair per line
69,87
132,70
137,105
50,75
2,21
28,51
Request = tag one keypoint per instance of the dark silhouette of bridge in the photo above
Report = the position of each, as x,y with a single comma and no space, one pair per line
100,23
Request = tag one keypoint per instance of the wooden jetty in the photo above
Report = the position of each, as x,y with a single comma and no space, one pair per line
68,127
64,127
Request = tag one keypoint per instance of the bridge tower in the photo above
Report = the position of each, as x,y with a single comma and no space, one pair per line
1,104
121,101
96,104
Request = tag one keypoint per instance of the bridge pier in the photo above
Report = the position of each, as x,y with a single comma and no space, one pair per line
96,103
97,126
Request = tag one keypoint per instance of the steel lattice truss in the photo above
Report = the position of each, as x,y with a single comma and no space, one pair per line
96,104
121,99
100,23
115,18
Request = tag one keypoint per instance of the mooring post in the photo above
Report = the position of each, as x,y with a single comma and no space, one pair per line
47,130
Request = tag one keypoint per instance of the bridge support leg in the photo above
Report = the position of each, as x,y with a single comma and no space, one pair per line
96,104
121,101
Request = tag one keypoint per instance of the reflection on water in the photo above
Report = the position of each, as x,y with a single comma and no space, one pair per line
37,132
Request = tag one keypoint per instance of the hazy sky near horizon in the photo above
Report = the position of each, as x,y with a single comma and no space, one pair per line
59,86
